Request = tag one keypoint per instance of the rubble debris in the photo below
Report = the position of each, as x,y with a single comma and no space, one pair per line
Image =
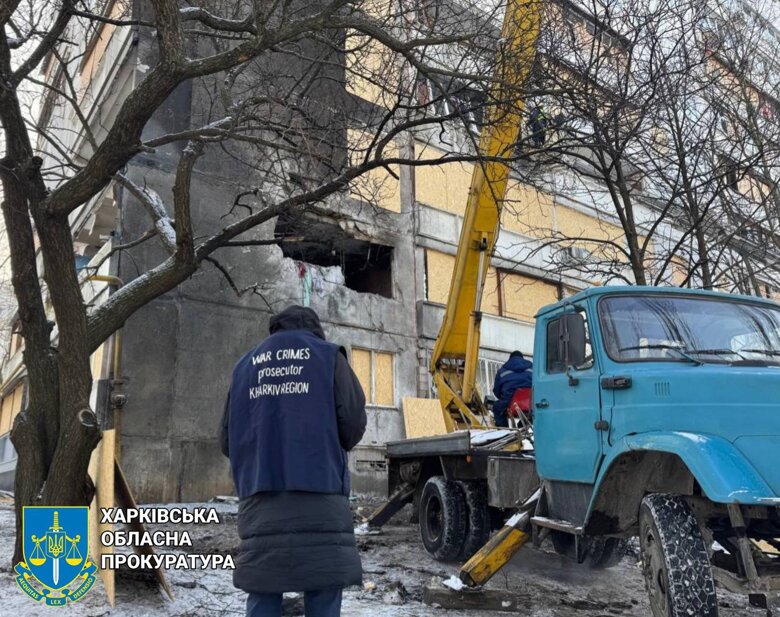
364,530
454,583
482,599
395,594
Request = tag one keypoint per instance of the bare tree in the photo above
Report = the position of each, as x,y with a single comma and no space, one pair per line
274,90
632,116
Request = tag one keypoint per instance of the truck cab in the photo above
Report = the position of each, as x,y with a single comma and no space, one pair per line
656,407
656,413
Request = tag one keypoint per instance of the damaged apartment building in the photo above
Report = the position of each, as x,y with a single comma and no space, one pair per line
377,274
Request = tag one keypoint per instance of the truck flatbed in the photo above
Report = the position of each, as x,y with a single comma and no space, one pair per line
466,442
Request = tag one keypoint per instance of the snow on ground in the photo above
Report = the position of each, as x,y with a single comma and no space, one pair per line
396,569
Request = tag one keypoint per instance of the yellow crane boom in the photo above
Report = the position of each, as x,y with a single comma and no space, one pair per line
456,352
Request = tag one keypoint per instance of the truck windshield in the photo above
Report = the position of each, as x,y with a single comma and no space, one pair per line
697,330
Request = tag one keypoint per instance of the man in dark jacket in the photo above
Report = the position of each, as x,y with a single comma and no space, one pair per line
294,410
514,373
538,122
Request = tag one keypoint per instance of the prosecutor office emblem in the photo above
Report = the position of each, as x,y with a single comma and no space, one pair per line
56,566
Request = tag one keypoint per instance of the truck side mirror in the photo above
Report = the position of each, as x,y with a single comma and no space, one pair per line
572,338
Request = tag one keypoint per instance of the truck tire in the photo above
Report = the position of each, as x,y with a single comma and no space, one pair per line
675,563
443,518
478,517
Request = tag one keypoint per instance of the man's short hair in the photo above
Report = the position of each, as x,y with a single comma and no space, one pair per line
516,353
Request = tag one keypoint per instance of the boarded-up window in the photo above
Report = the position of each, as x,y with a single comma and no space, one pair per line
98,43
506,294
376,372
10,407
438,275
97,362
522,296
17,342
753,188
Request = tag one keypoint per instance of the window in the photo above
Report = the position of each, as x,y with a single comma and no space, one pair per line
458,103
555,363
10,408
17,341
358,264
376,372
556,346
98,41
522,296
754,188
689,329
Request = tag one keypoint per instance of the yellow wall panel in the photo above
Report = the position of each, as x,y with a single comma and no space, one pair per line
574,224
18,399
361,364
95,55
384,379
6,413
373,73
438,275
377,187
523,295
679,271
527,211
10,407
590,232
97,362
444,186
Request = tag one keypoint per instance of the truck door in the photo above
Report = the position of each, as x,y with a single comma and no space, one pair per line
567,407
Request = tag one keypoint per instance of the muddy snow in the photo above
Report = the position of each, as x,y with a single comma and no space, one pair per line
396,570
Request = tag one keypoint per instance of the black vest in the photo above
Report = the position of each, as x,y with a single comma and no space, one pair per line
283,431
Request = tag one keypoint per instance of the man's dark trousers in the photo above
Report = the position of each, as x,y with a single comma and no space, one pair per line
324,603
499,416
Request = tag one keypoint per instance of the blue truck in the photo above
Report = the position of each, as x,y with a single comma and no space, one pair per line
656,413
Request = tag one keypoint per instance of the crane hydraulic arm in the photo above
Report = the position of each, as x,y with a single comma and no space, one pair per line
456,351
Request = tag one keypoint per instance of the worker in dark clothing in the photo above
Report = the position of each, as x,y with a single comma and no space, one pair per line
538,123
294,410
514,373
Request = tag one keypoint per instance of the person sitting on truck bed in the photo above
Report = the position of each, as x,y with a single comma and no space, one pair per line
514,373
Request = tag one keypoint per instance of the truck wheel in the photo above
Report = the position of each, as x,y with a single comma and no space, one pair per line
478,516
675,564
443,518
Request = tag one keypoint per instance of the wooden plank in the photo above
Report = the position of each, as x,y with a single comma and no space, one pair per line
112,490
423,417
392,506
361,365
384,379
101,470
438,275
125,500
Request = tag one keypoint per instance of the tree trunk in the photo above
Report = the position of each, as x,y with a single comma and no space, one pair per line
54,435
